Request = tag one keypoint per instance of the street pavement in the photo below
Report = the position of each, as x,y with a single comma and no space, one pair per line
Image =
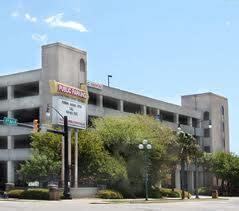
102,205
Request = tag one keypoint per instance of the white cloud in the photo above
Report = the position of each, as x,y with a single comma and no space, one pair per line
15,14
40,38
30,18
57,21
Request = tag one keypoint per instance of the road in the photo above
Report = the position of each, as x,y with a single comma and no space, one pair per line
86,205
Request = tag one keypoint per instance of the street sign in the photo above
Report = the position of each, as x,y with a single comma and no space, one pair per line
9,121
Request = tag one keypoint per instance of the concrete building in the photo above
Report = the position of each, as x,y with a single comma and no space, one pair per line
25,96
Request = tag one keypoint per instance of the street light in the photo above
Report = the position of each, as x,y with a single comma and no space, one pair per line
109,76
66,193
145,146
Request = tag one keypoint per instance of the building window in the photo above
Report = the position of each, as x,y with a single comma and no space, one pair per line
224,143
206,132
223,126
82,65
222,110
195,122
183,120
207,149
206,115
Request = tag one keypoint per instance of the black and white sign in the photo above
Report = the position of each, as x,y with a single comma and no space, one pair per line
73,109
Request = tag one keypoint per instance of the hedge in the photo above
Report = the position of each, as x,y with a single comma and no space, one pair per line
109,194
37,193
166,192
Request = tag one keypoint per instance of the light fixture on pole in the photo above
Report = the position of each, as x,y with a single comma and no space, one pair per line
66,193
145,146
109,76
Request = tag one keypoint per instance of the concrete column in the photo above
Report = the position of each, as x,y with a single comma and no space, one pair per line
158,111
177,119
190,121
10,92
121,105
99,100
190,180
9,114
63,161
10,142
143,110
177,179
76,158
69,152
10,171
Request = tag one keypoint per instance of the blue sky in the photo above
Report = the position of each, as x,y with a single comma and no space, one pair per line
158,48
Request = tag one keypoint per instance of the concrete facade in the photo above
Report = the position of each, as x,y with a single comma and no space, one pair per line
25,96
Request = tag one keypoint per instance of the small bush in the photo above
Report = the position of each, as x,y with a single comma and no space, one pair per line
204,191
109,194
37,193
15,193
169,193
42,194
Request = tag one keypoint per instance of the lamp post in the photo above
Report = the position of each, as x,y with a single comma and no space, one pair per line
66,193
195,159
109,76
145,146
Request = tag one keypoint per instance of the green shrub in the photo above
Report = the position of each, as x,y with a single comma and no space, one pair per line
169,193
15,193
37,193
109,194
204,191
42,194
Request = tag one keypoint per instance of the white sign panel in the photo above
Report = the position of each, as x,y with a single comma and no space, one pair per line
95,85
73,109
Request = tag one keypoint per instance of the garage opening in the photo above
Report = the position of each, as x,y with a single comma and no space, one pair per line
92,98
3,93
26,115
109,102
167,116
22,141
132,107
3,142
3,174
26,90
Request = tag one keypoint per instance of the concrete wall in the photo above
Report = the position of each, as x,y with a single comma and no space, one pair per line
213,104
77,193
61,63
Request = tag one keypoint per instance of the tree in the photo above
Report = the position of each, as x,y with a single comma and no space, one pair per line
118,137
225,165
45,163
186,149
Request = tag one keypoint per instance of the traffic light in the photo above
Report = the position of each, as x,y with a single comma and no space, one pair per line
35,126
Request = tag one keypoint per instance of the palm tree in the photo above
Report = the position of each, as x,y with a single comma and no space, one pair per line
186,148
